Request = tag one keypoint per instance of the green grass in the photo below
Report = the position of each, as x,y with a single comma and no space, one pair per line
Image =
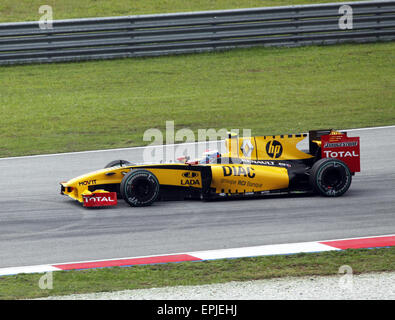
107,104
195,273
27,10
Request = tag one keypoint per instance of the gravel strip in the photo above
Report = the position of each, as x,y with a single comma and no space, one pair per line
375,286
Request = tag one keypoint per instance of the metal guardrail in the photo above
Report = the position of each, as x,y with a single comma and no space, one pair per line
146,35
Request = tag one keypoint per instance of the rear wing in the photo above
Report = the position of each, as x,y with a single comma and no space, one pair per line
337,145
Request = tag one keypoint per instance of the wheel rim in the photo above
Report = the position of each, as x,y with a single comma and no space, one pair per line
141,189
332,178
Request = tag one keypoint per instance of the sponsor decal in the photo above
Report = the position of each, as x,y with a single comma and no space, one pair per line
254,185
340,144
190,179
228,181
190,174
87,183
238,171
190,182
266,163
340,154
100,199
242,183
247,148
274,149
249,184
344,148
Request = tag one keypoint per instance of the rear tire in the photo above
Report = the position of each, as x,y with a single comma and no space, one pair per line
117,163
330,177
139,188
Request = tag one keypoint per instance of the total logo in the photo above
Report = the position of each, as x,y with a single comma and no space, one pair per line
340,154
99,199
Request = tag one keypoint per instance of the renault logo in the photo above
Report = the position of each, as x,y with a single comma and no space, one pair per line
247,148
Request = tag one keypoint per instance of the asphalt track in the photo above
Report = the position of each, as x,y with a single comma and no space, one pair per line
39,226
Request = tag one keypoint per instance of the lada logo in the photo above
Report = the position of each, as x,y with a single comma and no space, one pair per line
189,174
190,179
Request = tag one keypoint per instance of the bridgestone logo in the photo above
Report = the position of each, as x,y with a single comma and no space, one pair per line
341,144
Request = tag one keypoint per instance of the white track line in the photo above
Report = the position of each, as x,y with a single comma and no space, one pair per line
156,146
107,150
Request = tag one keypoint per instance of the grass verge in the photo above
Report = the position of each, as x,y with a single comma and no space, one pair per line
25,286
108,104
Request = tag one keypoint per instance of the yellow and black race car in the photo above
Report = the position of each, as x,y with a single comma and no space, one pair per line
252,166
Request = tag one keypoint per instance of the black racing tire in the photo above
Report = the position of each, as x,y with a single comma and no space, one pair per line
330,177
119,163
139,188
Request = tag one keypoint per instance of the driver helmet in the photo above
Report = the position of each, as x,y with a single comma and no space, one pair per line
210,156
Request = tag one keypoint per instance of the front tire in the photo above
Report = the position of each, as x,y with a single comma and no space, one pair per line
330,177
139,188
